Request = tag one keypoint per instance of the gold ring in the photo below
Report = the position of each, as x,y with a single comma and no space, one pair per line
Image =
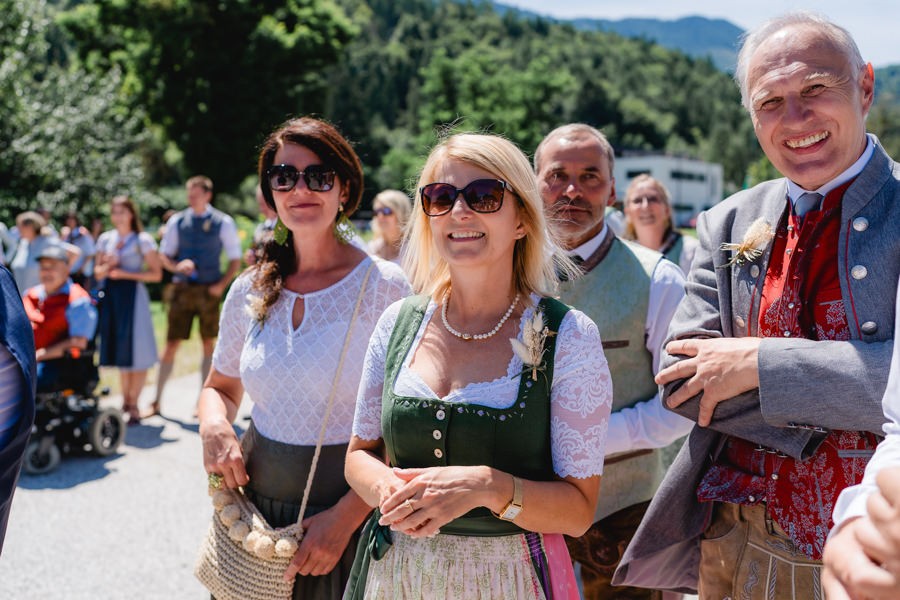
215,480
409,505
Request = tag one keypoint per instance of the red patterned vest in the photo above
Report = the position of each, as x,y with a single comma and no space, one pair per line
48,316
801,297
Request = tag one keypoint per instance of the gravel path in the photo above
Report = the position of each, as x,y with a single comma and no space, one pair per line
125,526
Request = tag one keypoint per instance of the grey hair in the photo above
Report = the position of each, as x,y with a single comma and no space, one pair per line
751,40
572,129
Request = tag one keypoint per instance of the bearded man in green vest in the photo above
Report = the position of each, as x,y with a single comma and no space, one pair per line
631,292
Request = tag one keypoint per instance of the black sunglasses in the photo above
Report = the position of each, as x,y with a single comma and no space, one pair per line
283,178
385,211
481,195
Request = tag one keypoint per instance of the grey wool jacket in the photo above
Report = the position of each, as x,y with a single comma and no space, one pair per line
804,384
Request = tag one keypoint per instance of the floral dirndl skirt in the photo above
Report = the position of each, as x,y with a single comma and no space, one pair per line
451,567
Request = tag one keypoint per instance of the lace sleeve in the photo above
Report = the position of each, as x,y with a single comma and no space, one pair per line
233,324
367,419
581,399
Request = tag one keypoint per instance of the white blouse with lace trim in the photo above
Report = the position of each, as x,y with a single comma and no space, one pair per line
288,373
580,397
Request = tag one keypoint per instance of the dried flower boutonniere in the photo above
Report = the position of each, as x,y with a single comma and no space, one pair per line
531,349
256,309
758,235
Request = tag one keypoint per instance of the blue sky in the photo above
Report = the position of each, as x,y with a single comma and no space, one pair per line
873,24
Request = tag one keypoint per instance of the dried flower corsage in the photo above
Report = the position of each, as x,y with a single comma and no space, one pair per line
531,350
256,309
758,235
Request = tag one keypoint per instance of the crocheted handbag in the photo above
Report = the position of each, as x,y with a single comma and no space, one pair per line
242,556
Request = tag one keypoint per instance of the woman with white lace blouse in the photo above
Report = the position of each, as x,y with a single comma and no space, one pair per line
283,329
483,408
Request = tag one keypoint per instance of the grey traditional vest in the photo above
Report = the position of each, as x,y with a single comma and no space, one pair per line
198,240
616,294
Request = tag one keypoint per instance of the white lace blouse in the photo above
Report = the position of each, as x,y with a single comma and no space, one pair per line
581,394
288,373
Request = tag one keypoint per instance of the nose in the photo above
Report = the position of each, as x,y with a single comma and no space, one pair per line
795,108
460,207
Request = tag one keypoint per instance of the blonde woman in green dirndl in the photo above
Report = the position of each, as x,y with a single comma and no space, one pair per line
483,407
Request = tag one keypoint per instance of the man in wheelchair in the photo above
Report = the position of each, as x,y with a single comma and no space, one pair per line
64,321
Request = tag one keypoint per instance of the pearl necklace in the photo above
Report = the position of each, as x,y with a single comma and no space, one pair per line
475,336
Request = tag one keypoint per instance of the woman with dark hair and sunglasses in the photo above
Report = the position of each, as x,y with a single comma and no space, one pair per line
482,413
284,327
391,210
126,258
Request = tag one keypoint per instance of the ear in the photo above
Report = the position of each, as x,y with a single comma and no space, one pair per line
521,228
868,88
612,193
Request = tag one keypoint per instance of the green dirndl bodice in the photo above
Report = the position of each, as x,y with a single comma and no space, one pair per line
422,432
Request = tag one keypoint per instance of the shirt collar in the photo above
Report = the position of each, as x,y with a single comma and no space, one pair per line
795,191
206,212
42,291
587,249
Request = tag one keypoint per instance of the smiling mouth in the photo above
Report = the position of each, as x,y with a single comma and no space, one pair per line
807,141
465,235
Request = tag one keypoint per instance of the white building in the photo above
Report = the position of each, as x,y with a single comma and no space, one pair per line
694,185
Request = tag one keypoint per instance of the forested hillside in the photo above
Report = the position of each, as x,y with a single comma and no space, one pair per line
109,96
417,66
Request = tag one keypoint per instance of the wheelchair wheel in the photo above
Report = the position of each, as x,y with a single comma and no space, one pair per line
106,432
37,462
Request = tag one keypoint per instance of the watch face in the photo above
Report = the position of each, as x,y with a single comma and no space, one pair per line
511,512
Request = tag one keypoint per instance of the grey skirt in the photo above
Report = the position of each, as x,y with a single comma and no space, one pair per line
278,474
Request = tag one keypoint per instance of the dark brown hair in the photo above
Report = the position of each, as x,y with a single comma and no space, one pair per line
335,152
132,208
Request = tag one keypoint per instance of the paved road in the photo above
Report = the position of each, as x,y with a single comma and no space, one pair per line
125,526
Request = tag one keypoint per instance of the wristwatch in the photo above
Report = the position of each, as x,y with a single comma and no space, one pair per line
514,507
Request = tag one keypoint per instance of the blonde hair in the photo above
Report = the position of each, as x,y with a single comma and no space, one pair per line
398,202
629,233
34,220
535,256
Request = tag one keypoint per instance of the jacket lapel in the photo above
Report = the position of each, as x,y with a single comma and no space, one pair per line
747,280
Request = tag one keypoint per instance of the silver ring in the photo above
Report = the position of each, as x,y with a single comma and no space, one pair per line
409,505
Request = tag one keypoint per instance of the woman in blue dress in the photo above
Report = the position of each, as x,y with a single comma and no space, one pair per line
127,259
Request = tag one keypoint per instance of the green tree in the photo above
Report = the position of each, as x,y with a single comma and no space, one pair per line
216,75
65,140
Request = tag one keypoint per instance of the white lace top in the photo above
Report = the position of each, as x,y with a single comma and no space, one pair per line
288,373
581,394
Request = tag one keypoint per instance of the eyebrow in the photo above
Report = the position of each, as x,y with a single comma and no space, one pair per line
559,167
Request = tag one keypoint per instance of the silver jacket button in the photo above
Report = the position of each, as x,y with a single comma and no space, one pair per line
859,272
869,327
754,271
739,321
860,223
